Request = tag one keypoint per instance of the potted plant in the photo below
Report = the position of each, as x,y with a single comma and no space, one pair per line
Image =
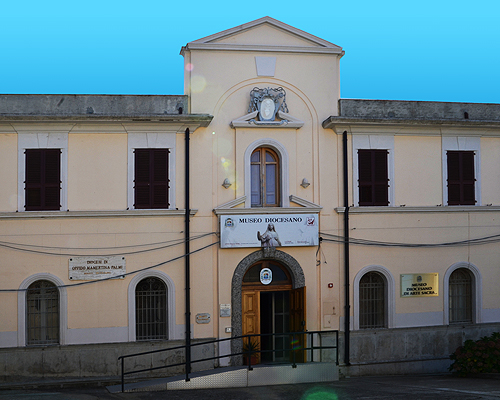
251,348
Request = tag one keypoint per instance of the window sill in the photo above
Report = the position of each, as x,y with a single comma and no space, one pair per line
430,209
95,214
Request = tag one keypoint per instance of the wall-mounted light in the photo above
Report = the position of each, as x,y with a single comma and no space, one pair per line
305,183
226,183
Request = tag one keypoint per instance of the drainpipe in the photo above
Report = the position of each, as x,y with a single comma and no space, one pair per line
187,260
347,311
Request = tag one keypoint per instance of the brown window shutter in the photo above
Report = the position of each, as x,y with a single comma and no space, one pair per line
52,195
43,179
151,182
373,178
142,178
160,184
461,181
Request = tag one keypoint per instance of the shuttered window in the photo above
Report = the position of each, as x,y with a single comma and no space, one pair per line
461,181
373,178
43,179
151,181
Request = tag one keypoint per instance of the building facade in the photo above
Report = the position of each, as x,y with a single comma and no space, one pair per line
271,166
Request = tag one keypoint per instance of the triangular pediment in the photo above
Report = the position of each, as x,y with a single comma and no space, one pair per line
265,34
235,207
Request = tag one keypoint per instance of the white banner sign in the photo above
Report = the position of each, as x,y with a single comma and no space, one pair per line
275,230
92,268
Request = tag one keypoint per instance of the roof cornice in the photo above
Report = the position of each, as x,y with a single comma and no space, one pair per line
337,123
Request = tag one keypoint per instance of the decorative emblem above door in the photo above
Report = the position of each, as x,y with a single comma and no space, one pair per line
267,108
267,101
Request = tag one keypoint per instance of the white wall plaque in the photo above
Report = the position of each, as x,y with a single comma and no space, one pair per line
94,268
269,230
225,310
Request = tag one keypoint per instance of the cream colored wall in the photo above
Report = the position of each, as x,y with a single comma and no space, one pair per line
220,84
485,256
7,316
97,172
216,74
95,305
97,180
426,228
490,170
418,177
8,168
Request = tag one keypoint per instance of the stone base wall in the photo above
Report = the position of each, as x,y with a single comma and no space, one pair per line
408,350
98,360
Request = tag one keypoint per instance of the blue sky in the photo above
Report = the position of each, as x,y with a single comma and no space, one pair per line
439,50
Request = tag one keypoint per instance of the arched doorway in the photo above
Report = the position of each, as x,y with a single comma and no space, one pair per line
264,306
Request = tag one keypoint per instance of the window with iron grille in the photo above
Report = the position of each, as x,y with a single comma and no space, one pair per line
461,179
151,181
42,185
372,301
265,178
460,292
42,313
373,181
151,309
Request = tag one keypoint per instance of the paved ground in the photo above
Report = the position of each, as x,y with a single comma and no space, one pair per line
419,387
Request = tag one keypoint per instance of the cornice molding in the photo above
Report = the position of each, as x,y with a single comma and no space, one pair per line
431,209
340,124
261,48
95,214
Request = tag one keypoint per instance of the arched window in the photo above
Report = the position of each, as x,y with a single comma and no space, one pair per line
151,309
460,296
265,178
372,301
42,313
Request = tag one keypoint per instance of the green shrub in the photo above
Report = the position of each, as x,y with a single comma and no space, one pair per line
481,356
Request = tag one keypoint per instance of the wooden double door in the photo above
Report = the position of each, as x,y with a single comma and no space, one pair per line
271,310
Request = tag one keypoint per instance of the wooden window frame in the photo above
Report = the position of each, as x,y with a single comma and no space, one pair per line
263,163
373,177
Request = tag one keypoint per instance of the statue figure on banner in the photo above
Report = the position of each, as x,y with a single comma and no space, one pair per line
270,237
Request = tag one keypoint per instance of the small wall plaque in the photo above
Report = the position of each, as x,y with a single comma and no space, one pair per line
225,310
203,318
419,285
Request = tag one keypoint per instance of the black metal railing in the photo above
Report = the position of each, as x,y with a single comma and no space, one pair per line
298,353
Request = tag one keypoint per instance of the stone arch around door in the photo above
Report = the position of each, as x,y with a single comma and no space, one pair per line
296,272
